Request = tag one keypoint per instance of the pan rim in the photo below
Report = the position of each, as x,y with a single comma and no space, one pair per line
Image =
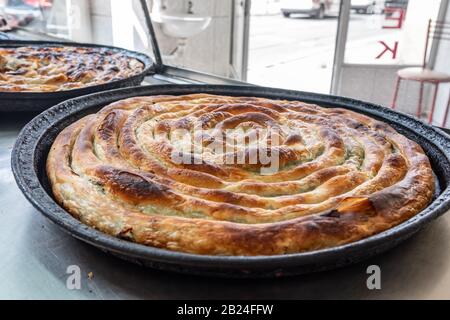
28,181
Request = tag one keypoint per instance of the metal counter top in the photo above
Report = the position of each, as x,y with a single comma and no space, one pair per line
35,254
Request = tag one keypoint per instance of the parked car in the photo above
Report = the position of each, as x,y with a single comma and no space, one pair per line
314,8
367,6
30,3
396,4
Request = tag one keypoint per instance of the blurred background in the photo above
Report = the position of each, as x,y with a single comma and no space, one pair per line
354,48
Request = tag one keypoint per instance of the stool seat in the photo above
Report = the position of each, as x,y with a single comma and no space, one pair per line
423,75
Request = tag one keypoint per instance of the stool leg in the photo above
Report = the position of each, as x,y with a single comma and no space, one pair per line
419,107
397,86
444,122
436,88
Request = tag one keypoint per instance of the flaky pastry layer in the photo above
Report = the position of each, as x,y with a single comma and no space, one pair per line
342,176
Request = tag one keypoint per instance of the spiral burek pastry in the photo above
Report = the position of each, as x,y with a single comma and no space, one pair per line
50,69
332,177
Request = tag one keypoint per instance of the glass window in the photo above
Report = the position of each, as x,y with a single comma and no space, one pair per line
393,32
292,44
280,43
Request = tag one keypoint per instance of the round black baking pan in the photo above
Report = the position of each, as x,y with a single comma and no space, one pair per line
33,144
38,101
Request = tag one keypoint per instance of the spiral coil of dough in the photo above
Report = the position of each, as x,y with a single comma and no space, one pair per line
49,69
341,176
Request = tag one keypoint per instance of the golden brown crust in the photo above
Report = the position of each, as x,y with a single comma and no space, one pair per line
343,176
48,69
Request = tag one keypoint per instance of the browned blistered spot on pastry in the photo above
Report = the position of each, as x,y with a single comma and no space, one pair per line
396,161
332,138
107,128
332,214
133,187
208,120
293,139
183,123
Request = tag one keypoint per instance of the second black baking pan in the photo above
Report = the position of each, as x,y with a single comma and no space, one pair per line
39,101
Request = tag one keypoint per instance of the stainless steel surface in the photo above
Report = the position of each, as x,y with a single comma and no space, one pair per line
35,254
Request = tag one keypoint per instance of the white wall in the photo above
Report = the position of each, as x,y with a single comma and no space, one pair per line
101,21
376,84
208,51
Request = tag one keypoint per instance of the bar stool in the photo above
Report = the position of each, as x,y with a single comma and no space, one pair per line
446,112
439,30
